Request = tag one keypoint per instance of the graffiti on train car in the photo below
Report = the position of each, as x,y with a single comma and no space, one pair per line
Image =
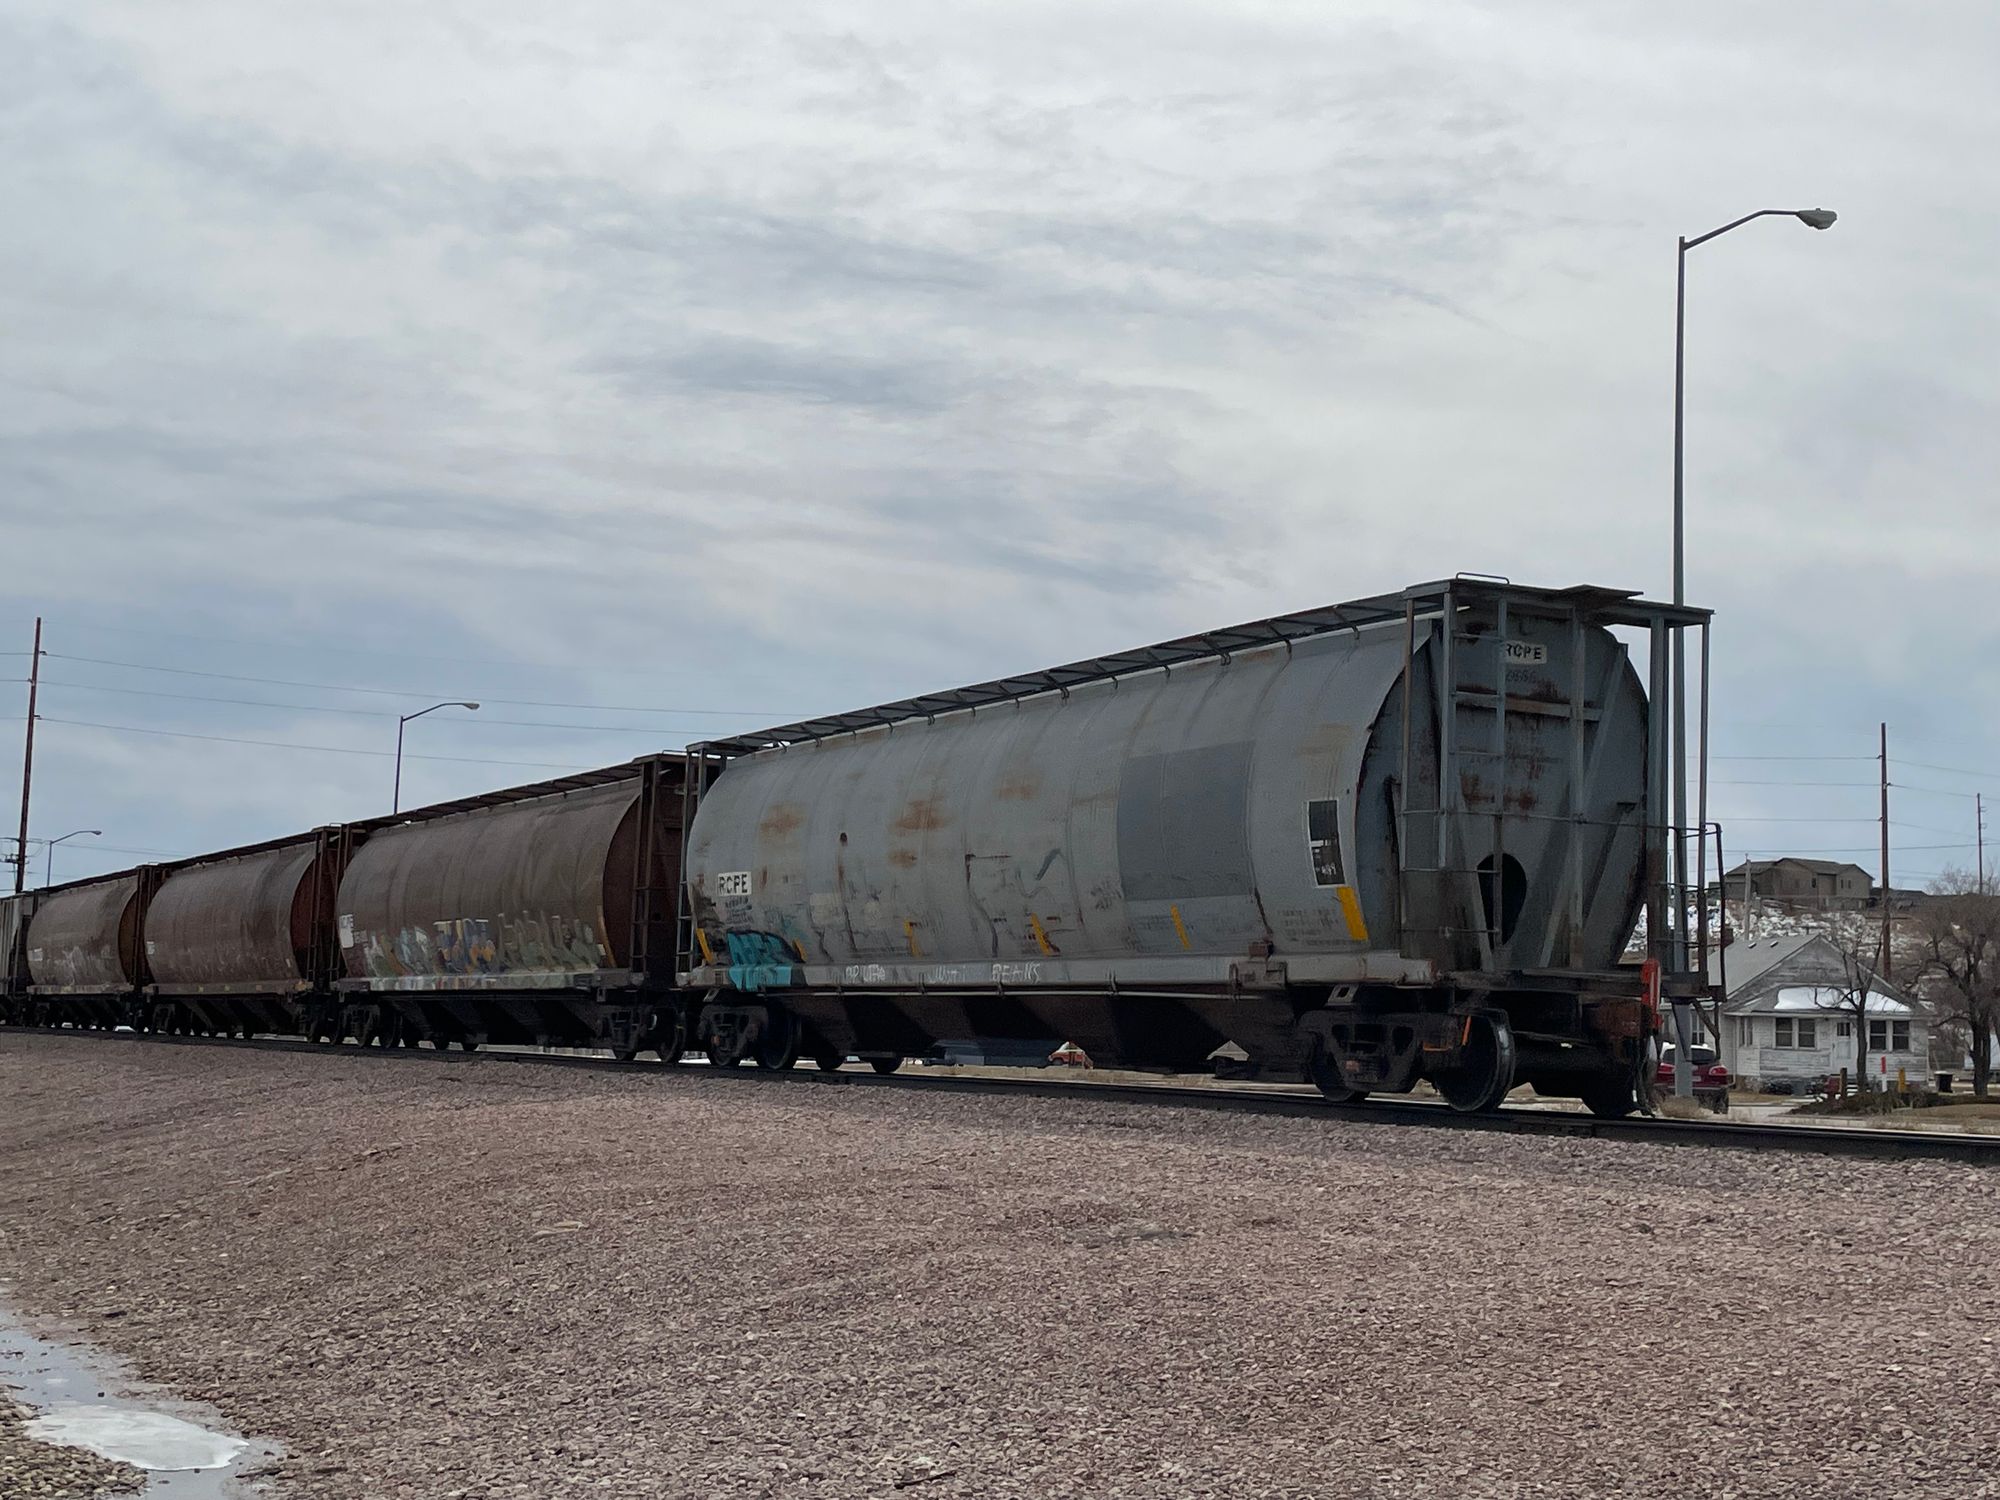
519,942
760,960
73,965
943,974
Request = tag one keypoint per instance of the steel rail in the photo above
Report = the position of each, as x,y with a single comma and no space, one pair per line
1857,1141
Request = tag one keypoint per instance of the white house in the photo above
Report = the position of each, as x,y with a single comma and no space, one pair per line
1788,1018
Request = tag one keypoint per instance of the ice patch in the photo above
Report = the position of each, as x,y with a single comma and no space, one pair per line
144,1439
81,1397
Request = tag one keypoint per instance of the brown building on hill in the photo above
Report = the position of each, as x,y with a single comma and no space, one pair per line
1802,884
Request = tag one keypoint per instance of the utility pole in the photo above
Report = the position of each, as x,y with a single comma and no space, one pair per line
28,763
1884,965
1979,819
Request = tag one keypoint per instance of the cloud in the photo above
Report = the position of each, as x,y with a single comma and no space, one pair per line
757,358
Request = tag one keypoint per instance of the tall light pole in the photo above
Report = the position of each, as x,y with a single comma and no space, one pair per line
396,801
1816,218
49,866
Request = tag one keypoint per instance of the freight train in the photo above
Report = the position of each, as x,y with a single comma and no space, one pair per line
1404,838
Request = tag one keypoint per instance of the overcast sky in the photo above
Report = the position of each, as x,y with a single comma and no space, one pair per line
719,365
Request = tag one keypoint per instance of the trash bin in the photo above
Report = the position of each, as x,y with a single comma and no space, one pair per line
1944,1083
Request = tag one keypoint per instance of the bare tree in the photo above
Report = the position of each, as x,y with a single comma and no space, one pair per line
1846,992
1959,928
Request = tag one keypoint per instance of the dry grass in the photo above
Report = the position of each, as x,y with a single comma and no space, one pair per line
1971,1109
1677,1108
1947,1120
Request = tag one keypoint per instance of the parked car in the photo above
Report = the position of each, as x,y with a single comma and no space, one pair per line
1711,1078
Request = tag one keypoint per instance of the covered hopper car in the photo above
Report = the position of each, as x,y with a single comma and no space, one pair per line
1398,840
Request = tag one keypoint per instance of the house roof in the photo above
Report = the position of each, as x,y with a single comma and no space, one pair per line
1747,959
1820,998
1751,960
1817,866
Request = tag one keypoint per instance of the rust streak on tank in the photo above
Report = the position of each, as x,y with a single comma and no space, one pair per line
922,815
782,820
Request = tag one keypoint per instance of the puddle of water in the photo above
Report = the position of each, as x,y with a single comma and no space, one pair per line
143,1439
73,1396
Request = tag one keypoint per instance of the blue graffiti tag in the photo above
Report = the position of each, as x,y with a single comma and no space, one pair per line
759,960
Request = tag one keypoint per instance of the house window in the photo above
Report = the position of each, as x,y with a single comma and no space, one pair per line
1782,1028
1808,1033
1795,1033
1843,1028
1746,1031
1889,1036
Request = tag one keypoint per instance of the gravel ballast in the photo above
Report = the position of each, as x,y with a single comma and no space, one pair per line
477,1278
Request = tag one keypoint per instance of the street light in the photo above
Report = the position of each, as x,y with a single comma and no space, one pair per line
396,802
1813,218
49,867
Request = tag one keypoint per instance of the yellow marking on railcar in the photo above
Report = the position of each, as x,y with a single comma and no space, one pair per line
1041,937
910,933
707,953
800,949
1350,908
1180,926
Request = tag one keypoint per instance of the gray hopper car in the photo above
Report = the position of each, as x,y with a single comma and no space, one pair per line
1402,839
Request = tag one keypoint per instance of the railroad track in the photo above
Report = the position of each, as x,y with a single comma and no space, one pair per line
1812,1139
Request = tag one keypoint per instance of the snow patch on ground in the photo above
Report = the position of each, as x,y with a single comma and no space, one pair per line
143,1439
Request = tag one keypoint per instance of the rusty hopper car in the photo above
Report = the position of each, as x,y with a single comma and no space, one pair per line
542,915
233,942
1405,838
14,981
85,957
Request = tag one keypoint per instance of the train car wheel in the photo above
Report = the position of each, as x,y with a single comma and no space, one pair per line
829,1062
725,1049
885,1065
777,1047
1485,1070
1613,1099
670,1035
1326,1077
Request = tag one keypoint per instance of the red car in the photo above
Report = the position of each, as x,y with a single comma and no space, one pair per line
1711,1079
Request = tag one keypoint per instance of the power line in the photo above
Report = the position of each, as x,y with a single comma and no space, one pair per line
1905,827
334,687
229,739
1948,770
1871,821
303,643
363,713
1849,849
1869,785
1791,757
119,849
